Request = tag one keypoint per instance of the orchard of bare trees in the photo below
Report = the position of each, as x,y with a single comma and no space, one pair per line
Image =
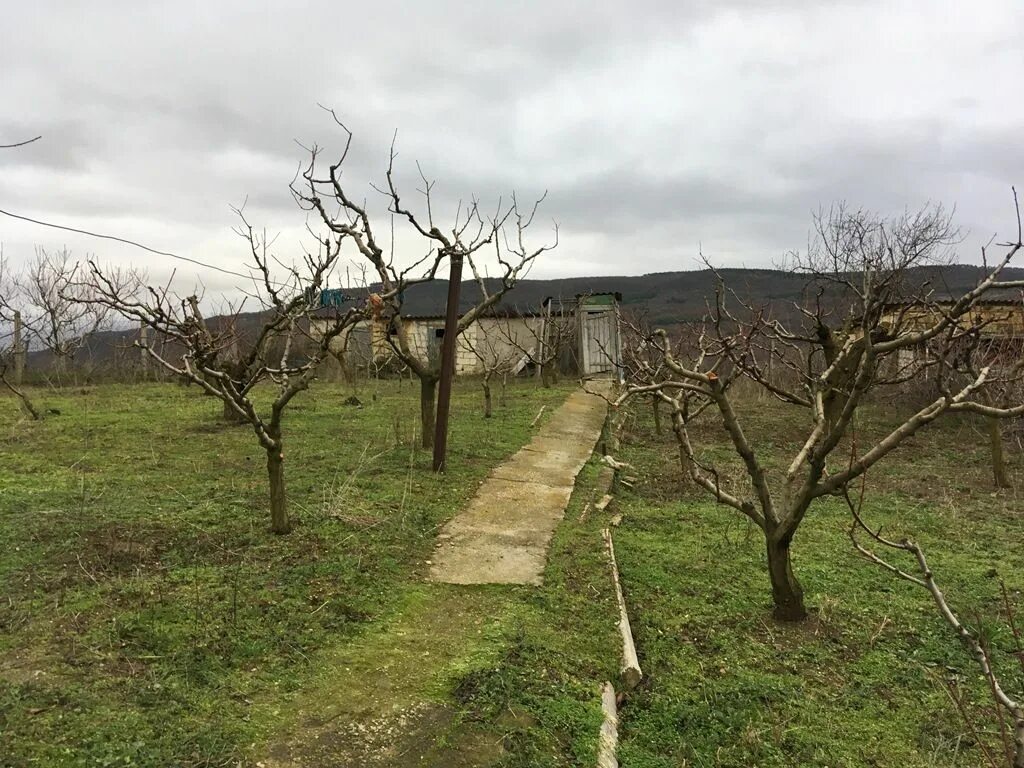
875,323
866,324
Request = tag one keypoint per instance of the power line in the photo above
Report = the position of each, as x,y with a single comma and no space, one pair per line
20,143
126,242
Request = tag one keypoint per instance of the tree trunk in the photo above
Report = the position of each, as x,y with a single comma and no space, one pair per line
428,389
279,522
787,593
995,438
230,415
656,406
547,375
487,399
26,405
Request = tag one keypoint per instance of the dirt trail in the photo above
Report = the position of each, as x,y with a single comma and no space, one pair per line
502,536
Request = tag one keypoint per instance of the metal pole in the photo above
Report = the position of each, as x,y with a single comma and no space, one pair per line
444,391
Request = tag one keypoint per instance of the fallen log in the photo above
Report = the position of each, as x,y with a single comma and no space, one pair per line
537,417
583,514
630,669
608,741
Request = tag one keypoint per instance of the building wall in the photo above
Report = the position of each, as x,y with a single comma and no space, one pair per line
425,344
505,340
1002,320
318,326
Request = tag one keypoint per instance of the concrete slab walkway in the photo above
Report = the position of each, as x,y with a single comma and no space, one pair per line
502,536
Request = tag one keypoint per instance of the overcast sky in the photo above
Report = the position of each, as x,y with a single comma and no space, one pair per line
657,128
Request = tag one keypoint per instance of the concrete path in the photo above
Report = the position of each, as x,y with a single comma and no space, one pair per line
502,536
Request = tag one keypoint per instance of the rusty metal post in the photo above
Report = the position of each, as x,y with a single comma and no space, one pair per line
444,391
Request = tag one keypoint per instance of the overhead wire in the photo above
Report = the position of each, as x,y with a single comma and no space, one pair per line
126,241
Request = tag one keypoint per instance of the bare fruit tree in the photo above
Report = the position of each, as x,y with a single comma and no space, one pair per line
283,354
58,315
868,320
545,342
470,235
495,356
12,349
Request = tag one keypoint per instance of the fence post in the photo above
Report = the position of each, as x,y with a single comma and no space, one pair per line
19,351
143,344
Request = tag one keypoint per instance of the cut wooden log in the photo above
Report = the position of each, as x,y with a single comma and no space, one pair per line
537,417
602,505
630,669
608,741
583,514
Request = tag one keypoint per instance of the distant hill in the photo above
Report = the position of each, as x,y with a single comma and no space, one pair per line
676,297
667,298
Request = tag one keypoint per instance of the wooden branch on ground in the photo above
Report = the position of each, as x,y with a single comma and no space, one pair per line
630,670
608,741
583,514
537,417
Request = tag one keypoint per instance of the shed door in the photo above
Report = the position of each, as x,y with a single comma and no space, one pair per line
599,342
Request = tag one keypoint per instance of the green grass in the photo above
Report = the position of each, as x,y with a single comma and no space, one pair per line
153,620
859,684
147,611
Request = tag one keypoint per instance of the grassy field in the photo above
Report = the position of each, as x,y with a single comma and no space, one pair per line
147,613
861,683
149,619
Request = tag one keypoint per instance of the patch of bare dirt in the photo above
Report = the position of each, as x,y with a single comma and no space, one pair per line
422,735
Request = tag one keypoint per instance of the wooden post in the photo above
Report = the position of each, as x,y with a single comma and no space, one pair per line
19,351
144,354
581,337
444,393
542,338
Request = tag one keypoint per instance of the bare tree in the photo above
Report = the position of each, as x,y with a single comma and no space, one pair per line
468,235
282,352
11,344
56,308
496,357
544,343
863,324
213,358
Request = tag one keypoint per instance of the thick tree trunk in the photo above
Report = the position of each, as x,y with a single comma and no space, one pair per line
279,522
230,415
428,390
787,593
547,375
656,406
995,437
487,399
685,467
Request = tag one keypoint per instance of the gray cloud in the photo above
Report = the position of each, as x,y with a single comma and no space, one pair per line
658,128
